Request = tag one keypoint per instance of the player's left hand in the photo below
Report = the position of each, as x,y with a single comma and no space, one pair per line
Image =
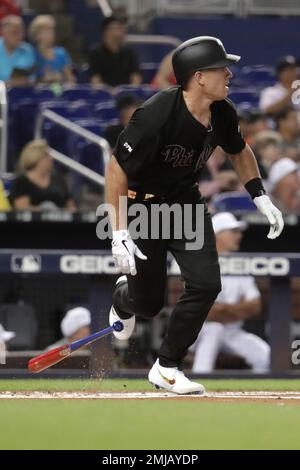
274,216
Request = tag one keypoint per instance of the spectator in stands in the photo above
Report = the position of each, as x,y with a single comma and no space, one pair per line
252,122
20,78
126,105
165,76
275,98
14,52
287,124
218,176
239,300
114,63
4,203
38,186
284,185
74,326
8,7
54,63
268,150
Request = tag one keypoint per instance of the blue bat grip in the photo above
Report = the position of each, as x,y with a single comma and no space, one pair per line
117,326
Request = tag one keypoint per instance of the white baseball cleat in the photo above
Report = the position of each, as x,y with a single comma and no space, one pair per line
128,324
173,380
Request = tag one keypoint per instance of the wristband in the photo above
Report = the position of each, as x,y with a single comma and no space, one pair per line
255,188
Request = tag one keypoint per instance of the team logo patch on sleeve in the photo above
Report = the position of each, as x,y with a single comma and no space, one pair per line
128,147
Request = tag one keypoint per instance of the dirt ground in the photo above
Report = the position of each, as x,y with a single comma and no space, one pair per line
249,396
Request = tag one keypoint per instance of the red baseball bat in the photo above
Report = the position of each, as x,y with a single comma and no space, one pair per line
49,358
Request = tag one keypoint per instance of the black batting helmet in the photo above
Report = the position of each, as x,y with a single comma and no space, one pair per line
201,53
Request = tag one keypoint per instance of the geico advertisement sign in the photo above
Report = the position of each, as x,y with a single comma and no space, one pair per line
88,264
235,266
255,266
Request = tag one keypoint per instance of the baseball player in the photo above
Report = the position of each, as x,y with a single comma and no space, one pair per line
158,159
238,301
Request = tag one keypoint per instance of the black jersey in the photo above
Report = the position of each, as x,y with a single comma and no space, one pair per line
164,148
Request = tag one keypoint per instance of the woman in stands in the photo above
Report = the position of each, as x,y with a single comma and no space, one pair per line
54,63
37,186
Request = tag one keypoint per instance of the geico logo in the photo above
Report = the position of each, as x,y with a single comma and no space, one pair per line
73,264
256,266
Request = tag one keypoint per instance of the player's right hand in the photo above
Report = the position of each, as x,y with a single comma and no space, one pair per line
124,250
274,216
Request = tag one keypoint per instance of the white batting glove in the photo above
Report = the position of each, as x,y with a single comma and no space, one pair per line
124,250
274,216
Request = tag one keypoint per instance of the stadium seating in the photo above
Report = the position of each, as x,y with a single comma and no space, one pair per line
242,95
86,92
106,113
143,92
233,201
258,75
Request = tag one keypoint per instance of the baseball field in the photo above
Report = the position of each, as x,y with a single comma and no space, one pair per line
128,414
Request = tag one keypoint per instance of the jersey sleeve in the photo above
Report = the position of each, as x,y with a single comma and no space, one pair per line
139,143
136,144
233,141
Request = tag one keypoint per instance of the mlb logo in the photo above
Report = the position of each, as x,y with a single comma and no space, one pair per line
26,264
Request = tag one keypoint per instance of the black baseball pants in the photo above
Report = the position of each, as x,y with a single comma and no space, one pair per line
143,295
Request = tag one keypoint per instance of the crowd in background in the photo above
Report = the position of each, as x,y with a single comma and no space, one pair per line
272,130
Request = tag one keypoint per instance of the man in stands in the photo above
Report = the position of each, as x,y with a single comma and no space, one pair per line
275,98
288,126
14,52
113,63
284,185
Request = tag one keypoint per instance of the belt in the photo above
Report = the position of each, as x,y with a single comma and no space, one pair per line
139,196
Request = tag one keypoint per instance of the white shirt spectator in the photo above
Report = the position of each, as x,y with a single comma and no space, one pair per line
272,95
235,289
231,338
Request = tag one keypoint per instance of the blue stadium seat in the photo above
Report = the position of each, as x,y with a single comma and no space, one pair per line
24,119
87,20
83,74
106,113
7,183
42,94
57,106
86,92
14,95
91,124
143,92
233,201
258,75
239,95
56,136
70,110
244,107
149,70
85,152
